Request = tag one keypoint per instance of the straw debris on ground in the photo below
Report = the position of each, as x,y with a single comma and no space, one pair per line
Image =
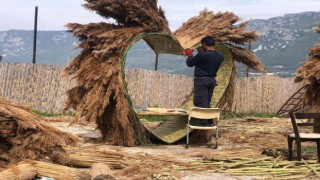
24,135
257,151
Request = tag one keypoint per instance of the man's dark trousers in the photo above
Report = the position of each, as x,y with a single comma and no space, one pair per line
203,90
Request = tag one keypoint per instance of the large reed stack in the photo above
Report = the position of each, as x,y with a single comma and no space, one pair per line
221,26
309,74
29,137
101,94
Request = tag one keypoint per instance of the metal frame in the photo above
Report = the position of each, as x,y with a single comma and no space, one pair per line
207,114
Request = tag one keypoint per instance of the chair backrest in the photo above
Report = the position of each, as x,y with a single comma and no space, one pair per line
294,116
204,113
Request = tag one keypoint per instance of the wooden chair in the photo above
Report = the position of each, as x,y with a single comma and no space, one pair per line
210,114
302,137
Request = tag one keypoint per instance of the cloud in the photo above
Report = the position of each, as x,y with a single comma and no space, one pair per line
180,11
54,14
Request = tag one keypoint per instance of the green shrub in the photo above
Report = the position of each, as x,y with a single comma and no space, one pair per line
46,114
154,118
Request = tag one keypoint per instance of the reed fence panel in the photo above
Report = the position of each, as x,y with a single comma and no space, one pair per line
43,87
156,89
263,94
38,85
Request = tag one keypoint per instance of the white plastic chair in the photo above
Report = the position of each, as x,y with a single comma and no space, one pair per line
210,114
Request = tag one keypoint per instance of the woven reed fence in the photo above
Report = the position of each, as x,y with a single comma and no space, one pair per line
153,88
43,87
38,85
264,94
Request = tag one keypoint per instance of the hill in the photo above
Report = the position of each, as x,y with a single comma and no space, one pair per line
53,47
282,47
285,41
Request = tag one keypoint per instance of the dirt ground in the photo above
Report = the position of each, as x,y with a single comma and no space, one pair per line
250,137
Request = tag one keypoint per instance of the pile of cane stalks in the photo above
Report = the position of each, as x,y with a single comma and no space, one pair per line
262,167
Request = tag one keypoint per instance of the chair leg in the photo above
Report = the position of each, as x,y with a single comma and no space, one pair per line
290,140
298,151
217,136
318,150
187,145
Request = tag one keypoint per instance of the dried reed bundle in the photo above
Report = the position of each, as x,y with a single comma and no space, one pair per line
309,74
8,127
246,57
131,13
100,169
22,171
85,158
32,139
58,172
101,95
221,27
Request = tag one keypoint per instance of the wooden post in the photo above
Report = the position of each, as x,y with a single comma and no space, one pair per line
316,128
156,64
35,35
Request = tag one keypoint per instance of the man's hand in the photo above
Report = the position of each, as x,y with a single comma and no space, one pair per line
188,52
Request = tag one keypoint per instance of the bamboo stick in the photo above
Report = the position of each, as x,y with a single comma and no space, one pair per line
275,161
248,162
254,167
313,170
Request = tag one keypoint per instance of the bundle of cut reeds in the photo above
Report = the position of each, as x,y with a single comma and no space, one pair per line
60,172
8,127
101,93
221,26
22,171
309,74
85,158
131,13
29,137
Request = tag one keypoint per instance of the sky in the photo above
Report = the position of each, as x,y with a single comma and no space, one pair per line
54,14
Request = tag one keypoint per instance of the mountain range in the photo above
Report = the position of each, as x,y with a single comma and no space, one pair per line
284,41
283,45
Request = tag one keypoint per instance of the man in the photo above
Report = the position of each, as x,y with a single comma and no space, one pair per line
206,64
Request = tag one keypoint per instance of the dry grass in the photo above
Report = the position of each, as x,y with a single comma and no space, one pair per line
309,74
101,94
221,27
21,171
29,137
